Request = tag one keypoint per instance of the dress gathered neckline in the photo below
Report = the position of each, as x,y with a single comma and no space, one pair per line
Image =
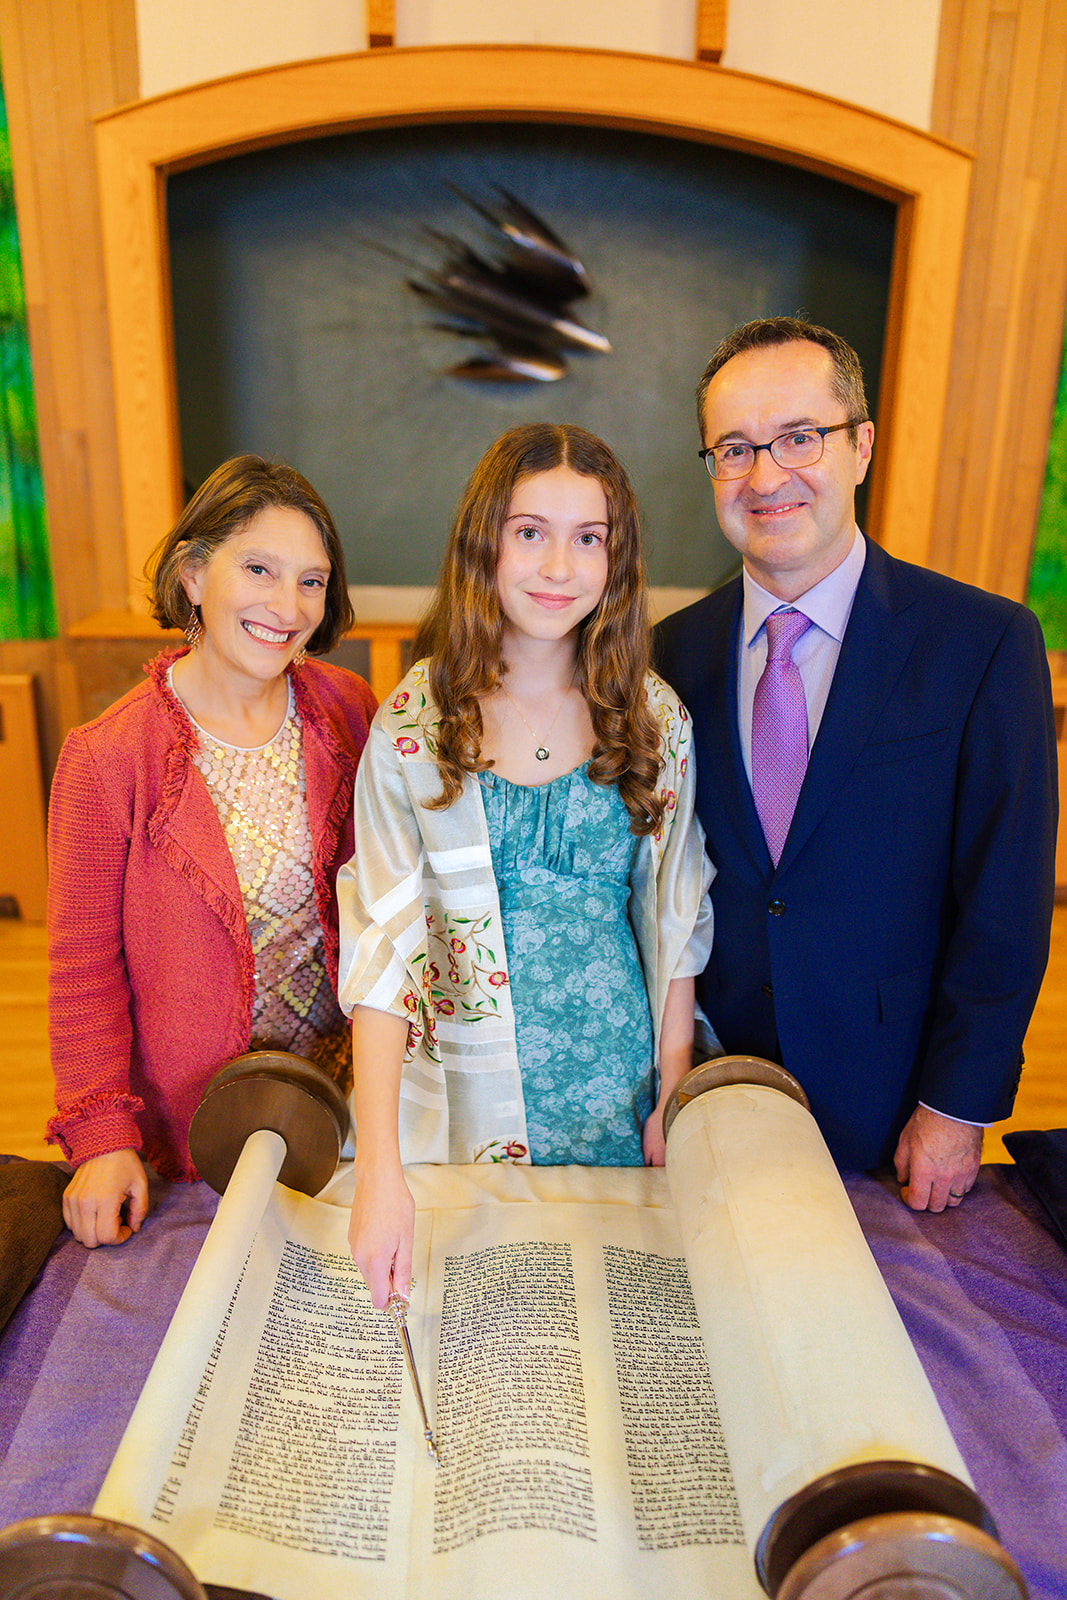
582,769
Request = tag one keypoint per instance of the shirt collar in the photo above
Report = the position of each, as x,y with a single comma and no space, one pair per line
828,604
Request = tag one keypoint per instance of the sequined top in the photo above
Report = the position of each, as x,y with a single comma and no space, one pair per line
261,801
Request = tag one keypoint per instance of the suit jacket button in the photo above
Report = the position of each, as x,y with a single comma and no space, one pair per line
768,990
777,908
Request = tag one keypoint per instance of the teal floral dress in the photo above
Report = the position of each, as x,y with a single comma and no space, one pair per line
562,855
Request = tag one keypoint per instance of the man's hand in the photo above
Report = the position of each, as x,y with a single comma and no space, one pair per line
107,1199
937,1160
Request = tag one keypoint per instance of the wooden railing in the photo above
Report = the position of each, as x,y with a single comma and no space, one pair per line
386,640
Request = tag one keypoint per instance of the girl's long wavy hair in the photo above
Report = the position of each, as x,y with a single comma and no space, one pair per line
463,630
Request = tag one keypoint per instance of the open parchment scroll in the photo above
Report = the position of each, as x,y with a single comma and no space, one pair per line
558,1330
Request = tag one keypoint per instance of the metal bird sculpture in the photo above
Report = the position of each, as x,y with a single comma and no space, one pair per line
519,301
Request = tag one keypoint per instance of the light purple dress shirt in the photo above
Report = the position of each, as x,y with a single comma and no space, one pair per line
828,605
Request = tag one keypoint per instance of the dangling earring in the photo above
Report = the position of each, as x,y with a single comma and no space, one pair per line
193,629
299,659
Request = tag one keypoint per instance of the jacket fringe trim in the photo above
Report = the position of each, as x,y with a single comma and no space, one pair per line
168,1166
336,816
175,776
85,1110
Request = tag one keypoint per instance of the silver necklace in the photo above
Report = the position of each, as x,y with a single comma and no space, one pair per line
542,751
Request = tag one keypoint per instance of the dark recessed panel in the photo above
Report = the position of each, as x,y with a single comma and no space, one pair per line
296,335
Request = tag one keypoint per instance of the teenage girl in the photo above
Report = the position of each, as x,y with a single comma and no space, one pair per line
527,906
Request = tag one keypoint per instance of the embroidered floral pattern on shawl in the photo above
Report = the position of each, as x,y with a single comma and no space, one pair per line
421,932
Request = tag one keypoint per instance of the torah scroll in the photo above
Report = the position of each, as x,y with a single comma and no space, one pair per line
626,1391
829,1420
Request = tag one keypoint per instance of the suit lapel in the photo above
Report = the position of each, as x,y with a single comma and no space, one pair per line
879,638
722,765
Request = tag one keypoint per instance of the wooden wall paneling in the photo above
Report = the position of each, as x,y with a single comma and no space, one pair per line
1044,299
23,873
959,69
968,417
138,145
711,29
1000,551
63,62
112,78
1001,88
1044,296
997,553
57,701
381,24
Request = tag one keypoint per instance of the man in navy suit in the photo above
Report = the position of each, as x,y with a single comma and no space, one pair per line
890,950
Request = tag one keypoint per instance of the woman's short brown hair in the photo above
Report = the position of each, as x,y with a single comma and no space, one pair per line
225,504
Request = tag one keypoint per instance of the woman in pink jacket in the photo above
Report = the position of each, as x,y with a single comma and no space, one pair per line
195,833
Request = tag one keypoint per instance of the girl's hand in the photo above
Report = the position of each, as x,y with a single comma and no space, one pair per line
676,1058
98,1194
382,1230
652,1141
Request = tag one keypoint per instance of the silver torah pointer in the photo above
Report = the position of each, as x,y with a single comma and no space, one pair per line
397,1307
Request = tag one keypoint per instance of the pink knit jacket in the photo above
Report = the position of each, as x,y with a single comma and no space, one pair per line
151,968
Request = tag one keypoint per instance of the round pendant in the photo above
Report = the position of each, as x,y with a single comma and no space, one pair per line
541,753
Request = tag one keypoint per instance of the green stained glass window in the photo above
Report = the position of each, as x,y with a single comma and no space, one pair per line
1048,574
27,601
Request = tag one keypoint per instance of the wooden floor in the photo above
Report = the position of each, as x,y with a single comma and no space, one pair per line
26,1079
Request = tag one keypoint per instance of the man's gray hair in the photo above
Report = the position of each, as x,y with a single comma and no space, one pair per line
846,384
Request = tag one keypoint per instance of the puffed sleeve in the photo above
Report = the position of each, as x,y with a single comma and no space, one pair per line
670,907
685,871
380,895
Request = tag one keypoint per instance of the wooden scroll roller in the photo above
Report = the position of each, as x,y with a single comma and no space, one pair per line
82,1558
267,1117
848,1481
91,1558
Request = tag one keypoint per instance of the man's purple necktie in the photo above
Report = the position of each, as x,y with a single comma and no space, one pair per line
779,731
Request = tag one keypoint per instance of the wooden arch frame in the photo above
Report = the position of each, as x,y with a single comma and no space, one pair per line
139,145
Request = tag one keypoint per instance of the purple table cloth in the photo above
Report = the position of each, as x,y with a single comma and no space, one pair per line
982,1291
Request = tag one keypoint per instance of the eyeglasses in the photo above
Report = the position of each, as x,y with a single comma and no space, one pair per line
800,447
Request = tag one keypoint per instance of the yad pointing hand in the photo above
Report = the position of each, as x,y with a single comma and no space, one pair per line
382,1229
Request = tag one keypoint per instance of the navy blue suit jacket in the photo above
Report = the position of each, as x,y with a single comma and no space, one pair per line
896,953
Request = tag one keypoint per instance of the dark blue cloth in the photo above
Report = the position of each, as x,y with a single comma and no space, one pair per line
31,1219
1041,1156
896,952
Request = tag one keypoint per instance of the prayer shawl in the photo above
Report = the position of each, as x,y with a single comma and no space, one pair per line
421,932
